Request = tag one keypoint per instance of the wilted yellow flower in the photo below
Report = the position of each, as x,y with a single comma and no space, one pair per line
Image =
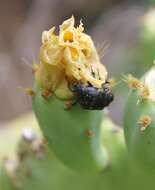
69,57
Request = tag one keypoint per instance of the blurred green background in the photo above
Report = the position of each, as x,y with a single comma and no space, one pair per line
122,25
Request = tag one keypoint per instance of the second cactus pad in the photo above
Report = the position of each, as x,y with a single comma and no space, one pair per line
139,122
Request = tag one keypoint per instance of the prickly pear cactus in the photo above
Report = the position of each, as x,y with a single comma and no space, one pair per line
139,121
34,166
80,147
70,92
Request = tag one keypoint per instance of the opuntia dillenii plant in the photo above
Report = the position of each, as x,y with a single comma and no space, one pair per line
80,147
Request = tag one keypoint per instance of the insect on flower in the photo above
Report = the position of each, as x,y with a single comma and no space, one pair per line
92,98
71,59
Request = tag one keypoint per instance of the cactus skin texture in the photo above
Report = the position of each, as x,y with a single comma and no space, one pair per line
74,135
47,172
140,136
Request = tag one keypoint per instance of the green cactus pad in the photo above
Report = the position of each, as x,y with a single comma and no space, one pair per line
74,135
140,137
47,172
141,144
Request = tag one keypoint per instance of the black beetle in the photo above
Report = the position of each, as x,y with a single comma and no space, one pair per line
92,98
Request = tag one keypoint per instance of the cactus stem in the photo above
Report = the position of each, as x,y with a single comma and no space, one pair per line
144,121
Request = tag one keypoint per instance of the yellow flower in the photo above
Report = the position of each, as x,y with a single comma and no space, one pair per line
69,57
